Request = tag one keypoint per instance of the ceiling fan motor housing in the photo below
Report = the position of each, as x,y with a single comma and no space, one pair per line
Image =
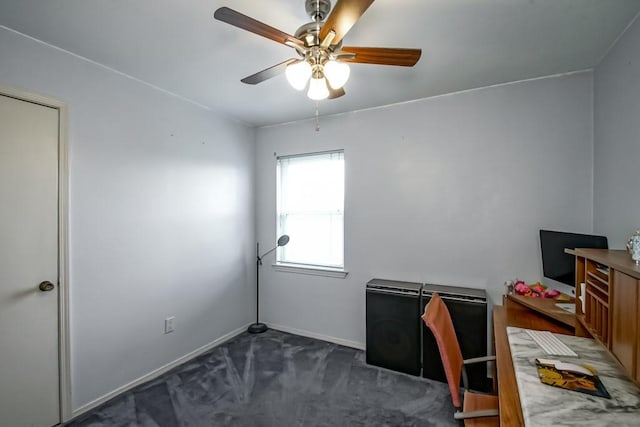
308,33
317,9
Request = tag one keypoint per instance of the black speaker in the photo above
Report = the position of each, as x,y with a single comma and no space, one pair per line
468,310
393,325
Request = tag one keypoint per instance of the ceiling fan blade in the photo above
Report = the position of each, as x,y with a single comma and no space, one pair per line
335,93
268,73
245,22
380,55
344,14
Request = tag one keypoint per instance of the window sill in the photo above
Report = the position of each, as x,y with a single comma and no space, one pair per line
311,270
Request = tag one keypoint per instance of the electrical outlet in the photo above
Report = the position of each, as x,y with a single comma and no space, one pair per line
169,324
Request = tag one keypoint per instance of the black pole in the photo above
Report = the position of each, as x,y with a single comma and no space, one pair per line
257,328
257,282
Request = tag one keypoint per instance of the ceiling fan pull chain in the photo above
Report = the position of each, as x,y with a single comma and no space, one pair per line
317,118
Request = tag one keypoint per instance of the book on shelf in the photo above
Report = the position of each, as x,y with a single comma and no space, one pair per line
571,376
568,307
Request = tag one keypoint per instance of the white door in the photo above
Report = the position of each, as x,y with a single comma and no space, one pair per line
29,365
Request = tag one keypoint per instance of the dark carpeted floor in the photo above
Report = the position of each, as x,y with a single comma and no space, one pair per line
278,379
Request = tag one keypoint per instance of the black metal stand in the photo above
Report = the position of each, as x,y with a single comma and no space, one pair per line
258,327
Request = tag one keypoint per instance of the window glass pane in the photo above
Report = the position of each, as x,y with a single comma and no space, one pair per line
312,185
319,240
310,208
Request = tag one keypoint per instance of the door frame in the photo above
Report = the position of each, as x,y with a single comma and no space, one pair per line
64,366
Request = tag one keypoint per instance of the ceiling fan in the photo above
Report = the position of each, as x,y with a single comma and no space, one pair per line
322,60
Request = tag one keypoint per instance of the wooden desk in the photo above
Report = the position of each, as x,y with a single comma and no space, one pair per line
544,306
514,313
608,282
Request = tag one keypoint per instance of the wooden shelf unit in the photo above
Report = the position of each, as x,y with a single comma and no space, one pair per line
611,303
596,315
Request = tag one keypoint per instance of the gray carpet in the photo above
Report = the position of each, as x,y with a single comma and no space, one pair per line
278,379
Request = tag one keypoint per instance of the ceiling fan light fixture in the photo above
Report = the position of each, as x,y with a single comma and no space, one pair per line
337,73
318,89
298,73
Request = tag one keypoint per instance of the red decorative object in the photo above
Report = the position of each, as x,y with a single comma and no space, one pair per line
537,290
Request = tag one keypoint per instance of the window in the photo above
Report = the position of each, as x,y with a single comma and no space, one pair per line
311,209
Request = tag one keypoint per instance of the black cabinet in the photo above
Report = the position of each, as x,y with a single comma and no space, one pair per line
468,309
393,325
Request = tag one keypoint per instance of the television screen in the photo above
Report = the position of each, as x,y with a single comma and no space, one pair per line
558,265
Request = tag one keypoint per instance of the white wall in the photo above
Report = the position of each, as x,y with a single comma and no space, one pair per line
161,217
617,140
449,190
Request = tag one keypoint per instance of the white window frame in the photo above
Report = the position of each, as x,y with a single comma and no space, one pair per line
300,268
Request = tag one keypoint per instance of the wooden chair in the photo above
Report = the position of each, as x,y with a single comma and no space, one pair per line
476,409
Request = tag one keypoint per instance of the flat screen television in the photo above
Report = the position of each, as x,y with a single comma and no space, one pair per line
559,268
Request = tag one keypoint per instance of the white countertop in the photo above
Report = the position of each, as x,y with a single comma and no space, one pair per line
544,405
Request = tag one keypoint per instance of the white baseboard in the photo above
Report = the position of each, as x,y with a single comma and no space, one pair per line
157,372
346,343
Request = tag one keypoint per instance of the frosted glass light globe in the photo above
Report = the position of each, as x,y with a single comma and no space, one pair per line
318,89
337,73
297,74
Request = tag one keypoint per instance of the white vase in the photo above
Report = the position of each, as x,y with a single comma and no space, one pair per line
634,247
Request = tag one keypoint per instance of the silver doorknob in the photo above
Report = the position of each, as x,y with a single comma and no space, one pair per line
46,286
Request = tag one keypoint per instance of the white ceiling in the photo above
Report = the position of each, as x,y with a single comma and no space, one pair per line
178,46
